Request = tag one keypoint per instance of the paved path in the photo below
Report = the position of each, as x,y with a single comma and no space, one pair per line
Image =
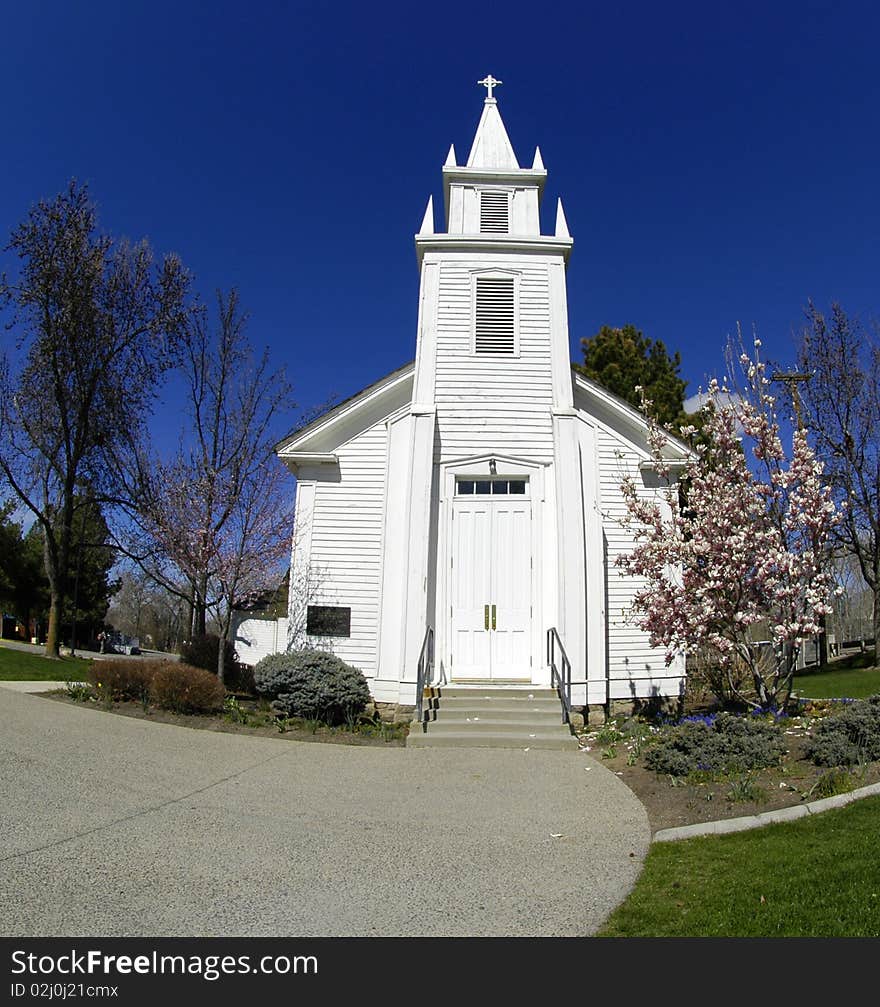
40,650
119,827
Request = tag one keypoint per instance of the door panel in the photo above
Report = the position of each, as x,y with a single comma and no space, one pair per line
511,590
470,589
491,582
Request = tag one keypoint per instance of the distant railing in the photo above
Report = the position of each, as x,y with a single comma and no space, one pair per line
560,672
425,674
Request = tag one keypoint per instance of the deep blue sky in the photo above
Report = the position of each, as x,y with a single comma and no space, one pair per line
718,162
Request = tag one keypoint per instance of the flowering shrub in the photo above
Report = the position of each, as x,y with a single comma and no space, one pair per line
746,544
722,743
849,737
313,684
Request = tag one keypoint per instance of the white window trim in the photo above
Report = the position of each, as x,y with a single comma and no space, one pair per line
495,274
502,477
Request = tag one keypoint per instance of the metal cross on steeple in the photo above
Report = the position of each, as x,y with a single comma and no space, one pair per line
489,82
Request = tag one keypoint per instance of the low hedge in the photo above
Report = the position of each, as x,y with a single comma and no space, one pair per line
849,737
119,680
724,743
184,689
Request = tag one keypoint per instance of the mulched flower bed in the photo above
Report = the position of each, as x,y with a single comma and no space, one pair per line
706,796
259,722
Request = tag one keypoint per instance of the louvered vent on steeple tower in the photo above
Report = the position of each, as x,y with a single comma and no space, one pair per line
495,311
494,212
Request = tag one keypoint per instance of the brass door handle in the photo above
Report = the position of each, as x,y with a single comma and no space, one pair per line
493,617
486,615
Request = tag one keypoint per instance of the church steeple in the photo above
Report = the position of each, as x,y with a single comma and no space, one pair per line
492,202
491,147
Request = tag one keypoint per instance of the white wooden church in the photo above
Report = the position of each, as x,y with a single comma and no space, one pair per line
473,496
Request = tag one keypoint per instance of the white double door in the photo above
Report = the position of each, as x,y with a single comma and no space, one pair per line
491,589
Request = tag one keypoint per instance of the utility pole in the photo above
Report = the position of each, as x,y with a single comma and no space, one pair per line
792,380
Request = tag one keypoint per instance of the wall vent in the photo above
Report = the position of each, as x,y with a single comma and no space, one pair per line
494,212
495,329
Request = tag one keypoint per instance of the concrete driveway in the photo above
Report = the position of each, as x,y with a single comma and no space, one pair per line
117,827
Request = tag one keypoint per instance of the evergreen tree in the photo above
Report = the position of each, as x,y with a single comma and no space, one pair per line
624,360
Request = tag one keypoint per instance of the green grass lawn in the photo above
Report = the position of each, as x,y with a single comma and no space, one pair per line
815,877
21,666
852,677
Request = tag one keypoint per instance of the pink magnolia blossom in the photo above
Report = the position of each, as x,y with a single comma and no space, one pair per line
745,542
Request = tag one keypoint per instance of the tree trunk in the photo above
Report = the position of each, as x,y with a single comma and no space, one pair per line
52,641
221,658
190,612
876,621
201,595
54,566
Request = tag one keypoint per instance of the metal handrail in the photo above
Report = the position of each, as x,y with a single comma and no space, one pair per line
560,678
425,673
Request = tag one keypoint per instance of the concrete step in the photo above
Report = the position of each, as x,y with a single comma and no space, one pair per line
560,740
489,715
522,729
538,707
445,692
508,713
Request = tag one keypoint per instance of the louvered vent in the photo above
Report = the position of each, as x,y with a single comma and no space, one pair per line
493,213
495,326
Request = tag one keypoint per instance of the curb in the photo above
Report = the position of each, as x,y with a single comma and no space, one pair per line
725,825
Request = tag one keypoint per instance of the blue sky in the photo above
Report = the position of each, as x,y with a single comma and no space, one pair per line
717,161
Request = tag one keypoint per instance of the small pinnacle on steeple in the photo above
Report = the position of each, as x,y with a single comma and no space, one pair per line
488,83
561,222
538,163
450,157
428,220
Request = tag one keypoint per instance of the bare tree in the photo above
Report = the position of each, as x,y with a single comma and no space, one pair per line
95,324
842,413
144,609
218,515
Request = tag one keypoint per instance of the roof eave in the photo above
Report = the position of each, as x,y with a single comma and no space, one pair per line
294,444
492,243
631,415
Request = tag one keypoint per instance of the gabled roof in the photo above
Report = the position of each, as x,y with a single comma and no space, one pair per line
627,413
316,441
323,434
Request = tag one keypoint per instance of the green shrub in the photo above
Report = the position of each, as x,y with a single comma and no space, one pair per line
849,737
725,743
312,684
121,680
184,689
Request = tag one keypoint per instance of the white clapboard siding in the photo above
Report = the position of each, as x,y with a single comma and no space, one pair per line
346,545
493,402
631,659
255,639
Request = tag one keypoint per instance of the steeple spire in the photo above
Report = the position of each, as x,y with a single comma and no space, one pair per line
491,147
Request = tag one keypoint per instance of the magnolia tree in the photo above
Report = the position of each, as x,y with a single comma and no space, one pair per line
212,524
737,540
